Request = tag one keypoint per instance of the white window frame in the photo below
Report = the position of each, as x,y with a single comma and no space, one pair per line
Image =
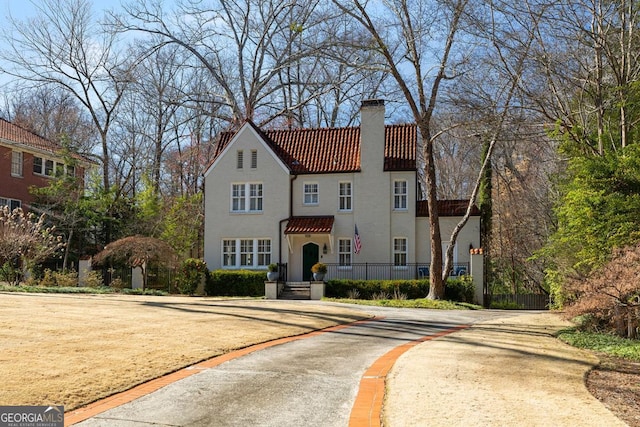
400,195
12,203
246,197
254,159
345,253
345,201
17,158
311,193
43,166
400,249
245,253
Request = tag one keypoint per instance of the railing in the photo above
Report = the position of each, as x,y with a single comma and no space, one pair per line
387,271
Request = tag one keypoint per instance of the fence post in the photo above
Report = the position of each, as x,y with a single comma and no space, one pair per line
476,266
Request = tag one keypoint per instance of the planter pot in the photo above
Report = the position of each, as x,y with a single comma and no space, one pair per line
318,277
272,276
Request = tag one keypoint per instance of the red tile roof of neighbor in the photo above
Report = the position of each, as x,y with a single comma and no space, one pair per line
331,150
447,208
309,225
15,135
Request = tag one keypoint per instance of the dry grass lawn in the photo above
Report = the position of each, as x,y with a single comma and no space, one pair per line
74,349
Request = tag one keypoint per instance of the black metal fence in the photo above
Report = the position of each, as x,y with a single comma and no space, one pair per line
519,301
387,271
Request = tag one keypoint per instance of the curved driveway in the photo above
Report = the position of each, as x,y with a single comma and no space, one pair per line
308,382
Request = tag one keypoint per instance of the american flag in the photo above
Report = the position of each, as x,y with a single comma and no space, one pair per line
357,244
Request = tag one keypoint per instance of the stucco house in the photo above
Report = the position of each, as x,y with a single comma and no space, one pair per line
347,197
28,160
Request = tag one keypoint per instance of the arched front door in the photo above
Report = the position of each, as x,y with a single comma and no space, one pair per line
310,255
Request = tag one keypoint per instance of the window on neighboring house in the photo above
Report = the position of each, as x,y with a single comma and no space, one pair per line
12,203
37,165
48,167
400,195
254,159
344,252
254,253
310,193
16,163
264,252
246,197
240,159
400,251
345,202
246,253
229,253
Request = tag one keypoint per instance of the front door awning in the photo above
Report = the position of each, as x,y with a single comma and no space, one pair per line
310,225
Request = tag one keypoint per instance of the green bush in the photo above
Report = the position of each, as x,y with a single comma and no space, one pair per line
191,273
242,283
368,289
459,289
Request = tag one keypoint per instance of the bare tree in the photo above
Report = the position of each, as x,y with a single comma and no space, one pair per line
63,46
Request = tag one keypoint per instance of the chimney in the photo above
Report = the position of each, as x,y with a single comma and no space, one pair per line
372,134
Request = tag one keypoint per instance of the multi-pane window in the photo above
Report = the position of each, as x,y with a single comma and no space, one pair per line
229,253
400,194
16,163
344,252
400,251
254,159
12,203
48,167
255,197
238,197
345,196
264,251
246,197
239,159
246,253
311,193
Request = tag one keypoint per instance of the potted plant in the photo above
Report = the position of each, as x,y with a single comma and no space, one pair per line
319,270
272,272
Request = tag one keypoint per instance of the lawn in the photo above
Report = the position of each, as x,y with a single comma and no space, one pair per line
74,349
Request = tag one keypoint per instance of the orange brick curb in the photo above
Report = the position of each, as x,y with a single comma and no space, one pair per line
367,409
93,409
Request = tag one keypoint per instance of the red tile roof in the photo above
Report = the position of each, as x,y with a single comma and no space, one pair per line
309,225
331,150
447,208
15,135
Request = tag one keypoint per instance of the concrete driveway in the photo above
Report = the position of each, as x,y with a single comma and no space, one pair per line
308,382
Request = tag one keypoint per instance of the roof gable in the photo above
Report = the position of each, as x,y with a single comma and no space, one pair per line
15,135
333,150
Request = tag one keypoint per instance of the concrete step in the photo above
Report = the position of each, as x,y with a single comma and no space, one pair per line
296,291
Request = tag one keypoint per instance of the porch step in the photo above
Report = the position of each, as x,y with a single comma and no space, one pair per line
296,291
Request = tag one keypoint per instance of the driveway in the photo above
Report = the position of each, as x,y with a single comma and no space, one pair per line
308,382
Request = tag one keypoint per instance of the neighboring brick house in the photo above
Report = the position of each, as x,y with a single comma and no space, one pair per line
297,197
27,160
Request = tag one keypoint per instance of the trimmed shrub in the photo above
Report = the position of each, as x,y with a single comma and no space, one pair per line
460,289
191,273
238,283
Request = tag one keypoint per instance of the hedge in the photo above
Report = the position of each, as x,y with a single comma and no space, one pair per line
236,283
459,289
